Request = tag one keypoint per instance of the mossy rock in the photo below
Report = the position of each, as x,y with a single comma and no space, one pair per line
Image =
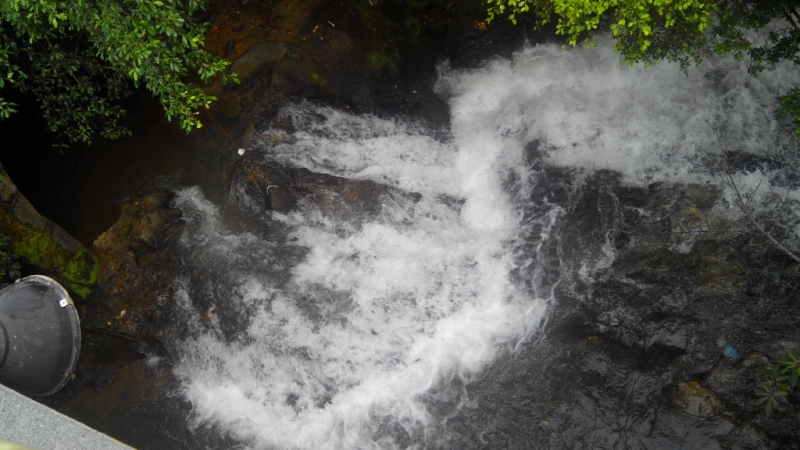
43,244
78,270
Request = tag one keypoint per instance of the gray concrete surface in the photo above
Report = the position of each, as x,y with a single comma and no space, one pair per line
27,422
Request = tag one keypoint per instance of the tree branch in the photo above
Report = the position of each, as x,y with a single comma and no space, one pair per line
788,13
751,217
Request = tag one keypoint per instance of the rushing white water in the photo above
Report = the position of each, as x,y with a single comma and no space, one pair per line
329,334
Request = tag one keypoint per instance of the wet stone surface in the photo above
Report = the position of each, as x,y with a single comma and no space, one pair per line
137,266
658,349
260,185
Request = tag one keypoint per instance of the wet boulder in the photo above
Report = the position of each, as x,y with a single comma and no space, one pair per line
134,253
260,185
327,51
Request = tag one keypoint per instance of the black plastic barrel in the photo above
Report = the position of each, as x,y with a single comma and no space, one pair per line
40,336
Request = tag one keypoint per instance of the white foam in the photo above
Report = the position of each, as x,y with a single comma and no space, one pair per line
373,315
596,112
388,151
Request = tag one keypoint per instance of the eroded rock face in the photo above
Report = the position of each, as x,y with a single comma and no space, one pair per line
260,185
363,57
135,270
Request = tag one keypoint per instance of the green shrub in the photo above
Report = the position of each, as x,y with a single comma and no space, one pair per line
775,383
80,57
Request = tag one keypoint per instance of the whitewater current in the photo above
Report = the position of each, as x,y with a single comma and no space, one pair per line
312,331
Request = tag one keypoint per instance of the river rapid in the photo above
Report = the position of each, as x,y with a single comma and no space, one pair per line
426,325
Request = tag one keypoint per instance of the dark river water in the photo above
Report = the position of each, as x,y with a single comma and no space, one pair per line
422,326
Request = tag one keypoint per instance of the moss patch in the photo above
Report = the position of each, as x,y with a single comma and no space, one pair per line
78,271
379,63
319,80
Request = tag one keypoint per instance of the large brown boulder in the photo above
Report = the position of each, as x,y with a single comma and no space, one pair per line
134,255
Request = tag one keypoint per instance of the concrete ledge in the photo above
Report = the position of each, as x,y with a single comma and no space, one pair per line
26,422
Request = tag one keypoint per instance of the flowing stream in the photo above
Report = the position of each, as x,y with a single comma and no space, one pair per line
315,330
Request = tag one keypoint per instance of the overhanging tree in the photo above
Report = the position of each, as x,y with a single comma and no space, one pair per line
80,57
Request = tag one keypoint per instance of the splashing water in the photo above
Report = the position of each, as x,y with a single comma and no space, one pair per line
355,331
327,333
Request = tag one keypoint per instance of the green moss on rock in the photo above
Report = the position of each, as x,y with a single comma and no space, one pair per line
77,270
379,63
319,80
41,243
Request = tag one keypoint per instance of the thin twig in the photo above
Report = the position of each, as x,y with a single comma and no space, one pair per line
698,231
749,214
788,13
744,205
754,193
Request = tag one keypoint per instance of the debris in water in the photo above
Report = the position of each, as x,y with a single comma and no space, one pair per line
730,352
241,151
696,400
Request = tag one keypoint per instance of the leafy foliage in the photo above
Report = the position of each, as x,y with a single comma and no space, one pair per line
775,383
634,23
78,57
771,388
790,107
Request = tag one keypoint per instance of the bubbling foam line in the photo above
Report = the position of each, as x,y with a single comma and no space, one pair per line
384,150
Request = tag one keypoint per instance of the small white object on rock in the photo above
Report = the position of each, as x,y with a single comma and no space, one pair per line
241,151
